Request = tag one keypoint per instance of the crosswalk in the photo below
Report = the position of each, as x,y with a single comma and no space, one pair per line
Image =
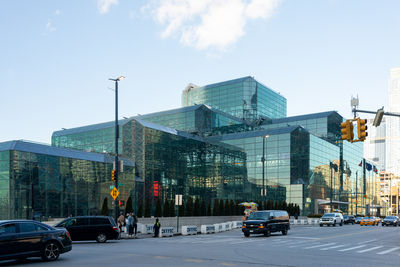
304,243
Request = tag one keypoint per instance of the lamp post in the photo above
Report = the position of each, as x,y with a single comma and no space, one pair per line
116,143
332,166
263,169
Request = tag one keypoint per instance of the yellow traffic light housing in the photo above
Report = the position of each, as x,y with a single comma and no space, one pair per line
113,175
362,129
347,130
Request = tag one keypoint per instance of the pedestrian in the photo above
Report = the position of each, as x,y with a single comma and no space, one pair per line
121,221
130,225
135,221
156,228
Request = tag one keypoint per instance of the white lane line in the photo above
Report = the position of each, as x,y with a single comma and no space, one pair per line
240,242
388,251
369,249
339,246
323,245
364,242
303,237
346,249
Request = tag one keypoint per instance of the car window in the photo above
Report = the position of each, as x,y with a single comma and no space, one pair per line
99,221
8,229
40,228
26,227
82,221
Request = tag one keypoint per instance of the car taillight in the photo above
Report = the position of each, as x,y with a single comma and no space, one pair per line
67,233
115,228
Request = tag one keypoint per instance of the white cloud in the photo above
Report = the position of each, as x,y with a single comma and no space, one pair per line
50,27
208,23
104,5
57,12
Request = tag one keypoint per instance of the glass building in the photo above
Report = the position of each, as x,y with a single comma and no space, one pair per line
211,148
43,181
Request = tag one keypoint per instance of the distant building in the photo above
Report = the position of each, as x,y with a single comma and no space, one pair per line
375,144
393,124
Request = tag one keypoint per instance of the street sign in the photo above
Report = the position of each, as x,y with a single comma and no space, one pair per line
114,193
178,200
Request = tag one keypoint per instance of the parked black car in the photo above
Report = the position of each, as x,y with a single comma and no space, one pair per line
265,222
391,220
349,219
20,239
99,228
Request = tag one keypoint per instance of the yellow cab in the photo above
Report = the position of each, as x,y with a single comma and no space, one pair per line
371,220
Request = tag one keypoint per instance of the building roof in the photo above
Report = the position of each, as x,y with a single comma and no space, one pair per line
257,133
89,127
31,147
303,117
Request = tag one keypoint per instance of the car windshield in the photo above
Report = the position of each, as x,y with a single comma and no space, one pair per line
346,216
390,217
259,216
328,215
368,218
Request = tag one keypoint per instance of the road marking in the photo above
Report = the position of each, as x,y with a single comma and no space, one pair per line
194,260
388,251
333,247
369,249
303,237
346,249
160,257
240,242
357,233
227,264
323,245
372,240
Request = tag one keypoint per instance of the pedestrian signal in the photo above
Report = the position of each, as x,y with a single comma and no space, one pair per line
347,130
362,129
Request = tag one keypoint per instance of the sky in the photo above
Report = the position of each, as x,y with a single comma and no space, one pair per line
56,56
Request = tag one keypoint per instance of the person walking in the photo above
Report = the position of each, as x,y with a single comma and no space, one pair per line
135,221
130,225
121,221
156,228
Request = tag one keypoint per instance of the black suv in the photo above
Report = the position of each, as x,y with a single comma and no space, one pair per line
20,239
391,220
349,219
99,228
265,222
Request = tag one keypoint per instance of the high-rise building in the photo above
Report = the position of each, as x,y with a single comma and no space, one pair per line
375,144
393,124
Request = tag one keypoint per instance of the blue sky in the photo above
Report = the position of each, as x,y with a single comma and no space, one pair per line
56,56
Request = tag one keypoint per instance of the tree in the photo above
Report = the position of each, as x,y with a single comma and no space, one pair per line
203,208
104,207
231,207
128,206
172,208
226,208
221,211
147,208
209,213
189,207
158,211
196,211
140,210
166,208
216,207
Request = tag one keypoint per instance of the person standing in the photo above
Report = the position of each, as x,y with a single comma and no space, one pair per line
130,225
121,221
156,228
135,221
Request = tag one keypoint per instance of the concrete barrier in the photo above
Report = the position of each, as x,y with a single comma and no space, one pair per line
237,224
218,227
208,229
166,231
189,230
145,228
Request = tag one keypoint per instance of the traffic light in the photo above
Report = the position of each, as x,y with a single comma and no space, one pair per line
347,130
113,175
362,129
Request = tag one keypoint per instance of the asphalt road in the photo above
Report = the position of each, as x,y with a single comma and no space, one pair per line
350,245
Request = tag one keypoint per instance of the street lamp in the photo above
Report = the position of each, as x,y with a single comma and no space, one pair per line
116,143
263,169
335,167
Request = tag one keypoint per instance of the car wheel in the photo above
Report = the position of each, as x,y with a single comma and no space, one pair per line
101,238
267,233
284,231
352,223
51,251
246,234
321,225
334,224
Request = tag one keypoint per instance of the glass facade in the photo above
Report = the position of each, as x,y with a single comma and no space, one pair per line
41,181
243,98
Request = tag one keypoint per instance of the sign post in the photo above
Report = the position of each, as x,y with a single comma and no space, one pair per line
178,202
